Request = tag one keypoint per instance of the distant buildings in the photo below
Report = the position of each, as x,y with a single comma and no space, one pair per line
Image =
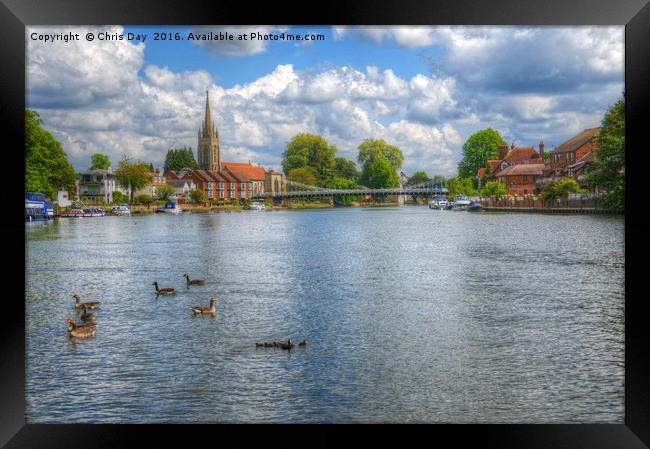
219,179
98,185
525,172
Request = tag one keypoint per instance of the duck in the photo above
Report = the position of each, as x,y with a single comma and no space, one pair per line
288,345
193,281
85,305
80,330
164,291
206,310
259,345
303,343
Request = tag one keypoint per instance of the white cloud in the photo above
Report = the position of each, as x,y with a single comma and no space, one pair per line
236,46
103,97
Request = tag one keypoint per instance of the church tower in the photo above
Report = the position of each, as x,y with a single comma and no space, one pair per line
208,148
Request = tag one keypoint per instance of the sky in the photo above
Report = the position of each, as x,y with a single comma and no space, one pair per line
424,89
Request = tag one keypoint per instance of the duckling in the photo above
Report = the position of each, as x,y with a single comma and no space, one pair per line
268,344
86,305
259,345
80,330
193,281
164,291
288,345
303,343
205,310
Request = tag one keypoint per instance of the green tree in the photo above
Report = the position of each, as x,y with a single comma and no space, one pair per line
198,196
99,161
460,186
119,197
303,176
418,178
312,152
607,168
494,189
132,175
179,158
477,149
370,148
380,162
151,167
346,169
343,184
165,191
46,164
143,199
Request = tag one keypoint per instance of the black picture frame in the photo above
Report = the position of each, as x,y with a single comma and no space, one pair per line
634,14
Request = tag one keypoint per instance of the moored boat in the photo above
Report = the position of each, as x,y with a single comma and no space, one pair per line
256,205
170,208
121,209
37,208
475,206
461,202
72,213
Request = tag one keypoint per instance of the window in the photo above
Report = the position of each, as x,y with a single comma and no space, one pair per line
221,186
221,194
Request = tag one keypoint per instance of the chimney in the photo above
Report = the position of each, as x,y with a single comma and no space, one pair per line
503,150
512,146
541,149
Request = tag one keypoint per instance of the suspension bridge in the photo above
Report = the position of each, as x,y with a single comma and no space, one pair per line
291,189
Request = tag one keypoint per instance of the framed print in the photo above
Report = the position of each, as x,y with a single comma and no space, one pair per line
406,214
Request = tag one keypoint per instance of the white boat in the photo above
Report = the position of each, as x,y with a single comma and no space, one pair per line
256,205
170,208
461,202
121,209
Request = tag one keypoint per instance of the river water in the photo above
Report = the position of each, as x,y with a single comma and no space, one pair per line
410,315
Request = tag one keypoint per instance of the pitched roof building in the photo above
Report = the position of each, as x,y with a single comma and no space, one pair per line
510,158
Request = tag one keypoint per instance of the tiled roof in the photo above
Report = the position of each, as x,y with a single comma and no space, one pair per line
576,142
522,169
245,171
518,155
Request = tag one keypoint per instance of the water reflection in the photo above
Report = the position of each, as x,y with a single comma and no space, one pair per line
411,315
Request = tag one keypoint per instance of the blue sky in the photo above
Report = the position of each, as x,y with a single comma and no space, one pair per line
424,89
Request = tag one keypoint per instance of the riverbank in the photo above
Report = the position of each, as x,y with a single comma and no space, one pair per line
553,210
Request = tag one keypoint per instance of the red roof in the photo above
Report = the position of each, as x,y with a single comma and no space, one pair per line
518,155
481,173
522,169
577,141
247,172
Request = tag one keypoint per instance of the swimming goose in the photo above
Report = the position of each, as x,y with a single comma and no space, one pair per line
85,305
303,343
164,291
80,330
194,281
206,310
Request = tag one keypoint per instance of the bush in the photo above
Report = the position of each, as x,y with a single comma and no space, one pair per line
145,200
198,196
494,189
561,189
119,197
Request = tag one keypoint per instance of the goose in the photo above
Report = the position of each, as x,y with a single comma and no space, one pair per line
259,345
85,305
288,345
206,310
164,291
303,343
194,281
80,330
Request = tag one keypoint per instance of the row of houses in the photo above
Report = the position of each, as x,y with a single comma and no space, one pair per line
527,171
234,180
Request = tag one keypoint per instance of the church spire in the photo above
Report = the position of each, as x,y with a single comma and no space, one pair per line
208,125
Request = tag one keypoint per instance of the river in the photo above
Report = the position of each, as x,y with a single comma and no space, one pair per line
410,315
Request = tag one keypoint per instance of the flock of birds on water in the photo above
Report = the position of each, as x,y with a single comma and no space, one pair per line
87,327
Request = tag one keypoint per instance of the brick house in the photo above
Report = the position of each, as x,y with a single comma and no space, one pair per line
571,158
520,179
515,156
